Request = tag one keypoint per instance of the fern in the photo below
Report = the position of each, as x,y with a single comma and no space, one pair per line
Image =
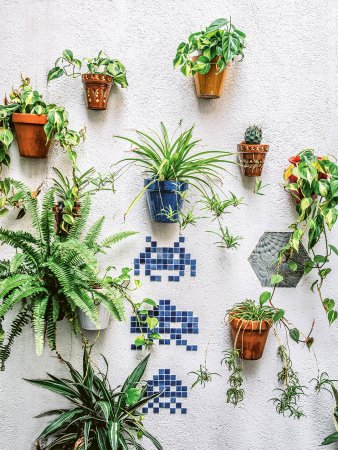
39,311
94,232
115,238
47,219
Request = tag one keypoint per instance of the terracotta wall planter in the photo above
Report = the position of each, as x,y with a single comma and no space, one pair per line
97,88
30,135
251,158
211,84
249,337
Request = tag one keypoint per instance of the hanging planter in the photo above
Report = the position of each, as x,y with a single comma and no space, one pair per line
165,200
251,153
249,337
211,84
30,135
219,44
97,88
101,73
103,319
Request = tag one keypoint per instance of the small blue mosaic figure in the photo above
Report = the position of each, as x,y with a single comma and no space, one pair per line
157,259
171,322
170,398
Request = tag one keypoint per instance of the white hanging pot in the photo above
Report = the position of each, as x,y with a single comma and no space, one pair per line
87,324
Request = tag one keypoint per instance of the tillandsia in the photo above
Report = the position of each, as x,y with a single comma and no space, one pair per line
51,277
313,183
98,416
249,320
171,159
71,191
221,40
70,66
29,101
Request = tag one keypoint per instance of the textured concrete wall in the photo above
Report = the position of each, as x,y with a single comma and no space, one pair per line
288,83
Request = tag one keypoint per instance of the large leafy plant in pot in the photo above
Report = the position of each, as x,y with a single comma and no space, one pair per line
102,72
313,183
99,417
51,277
219,44
34,123
171,166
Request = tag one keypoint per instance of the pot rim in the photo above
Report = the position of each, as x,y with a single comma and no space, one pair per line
264,147
165,185
37,119
97,78
249,325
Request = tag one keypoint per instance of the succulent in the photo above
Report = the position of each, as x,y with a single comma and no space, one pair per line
253,135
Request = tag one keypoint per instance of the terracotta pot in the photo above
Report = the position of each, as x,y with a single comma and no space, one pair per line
58,211
97,88
251,158
211,84
78,443
30,135
249,337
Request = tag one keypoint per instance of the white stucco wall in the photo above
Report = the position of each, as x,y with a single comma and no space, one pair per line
288,83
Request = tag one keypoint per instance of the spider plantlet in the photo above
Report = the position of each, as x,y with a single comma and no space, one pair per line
259,186
235,393
227,240
203,376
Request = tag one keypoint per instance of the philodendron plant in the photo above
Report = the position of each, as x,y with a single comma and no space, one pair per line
99,74
20,115
171,166
250,324
99,417
214,48
51,277
313,183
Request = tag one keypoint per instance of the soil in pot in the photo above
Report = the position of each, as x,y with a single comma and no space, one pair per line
211,84
251,158
30,135
97,88
249,337
164,198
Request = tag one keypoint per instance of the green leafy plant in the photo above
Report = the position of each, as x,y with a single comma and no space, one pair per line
29,101
98,417
202,374
166,158
264,311
259,186
11,198
71,191
220,39
313,182
253,135
226,239
67,65
51,277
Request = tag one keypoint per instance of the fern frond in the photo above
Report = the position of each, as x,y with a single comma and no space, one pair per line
115,238
47,219
84,302
13,282
81,221
62,273
94,232
20,293
16,262
39,311
19,322
75,253
18,240
114,304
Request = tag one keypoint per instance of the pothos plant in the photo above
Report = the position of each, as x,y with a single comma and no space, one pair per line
313,183
291,390
29,101
70,66
220,39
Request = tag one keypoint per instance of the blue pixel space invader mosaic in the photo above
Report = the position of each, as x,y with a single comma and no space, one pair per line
156,259
171,322
170,398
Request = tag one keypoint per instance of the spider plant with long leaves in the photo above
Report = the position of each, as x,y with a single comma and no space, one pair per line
172,158
99,417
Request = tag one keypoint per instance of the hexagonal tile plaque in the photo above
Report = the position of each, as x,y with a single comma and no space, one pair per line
263,259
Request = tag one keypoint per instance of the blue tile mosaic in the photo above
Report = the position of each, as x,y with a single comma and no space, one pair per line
156,259
171,322
172,393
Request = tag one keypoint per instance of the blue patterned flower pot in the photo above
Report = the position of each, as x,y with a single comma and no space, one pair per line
163,198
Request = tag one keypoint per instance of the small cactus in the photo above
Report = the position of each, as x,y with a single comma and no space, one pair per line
253,135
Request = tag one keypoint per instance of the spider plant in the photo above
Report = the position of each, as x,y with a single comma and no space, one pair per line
172,158
99,417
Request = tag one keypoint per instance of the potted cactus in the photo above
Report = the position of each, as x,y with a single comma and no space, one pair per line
217,46
97,81
251,152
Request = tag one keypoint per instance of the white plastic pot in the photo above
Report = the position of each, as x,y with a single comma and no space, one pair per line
87,324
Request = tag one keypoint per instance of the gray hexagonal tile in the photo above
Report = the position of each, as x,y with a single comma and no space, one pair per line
263,259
